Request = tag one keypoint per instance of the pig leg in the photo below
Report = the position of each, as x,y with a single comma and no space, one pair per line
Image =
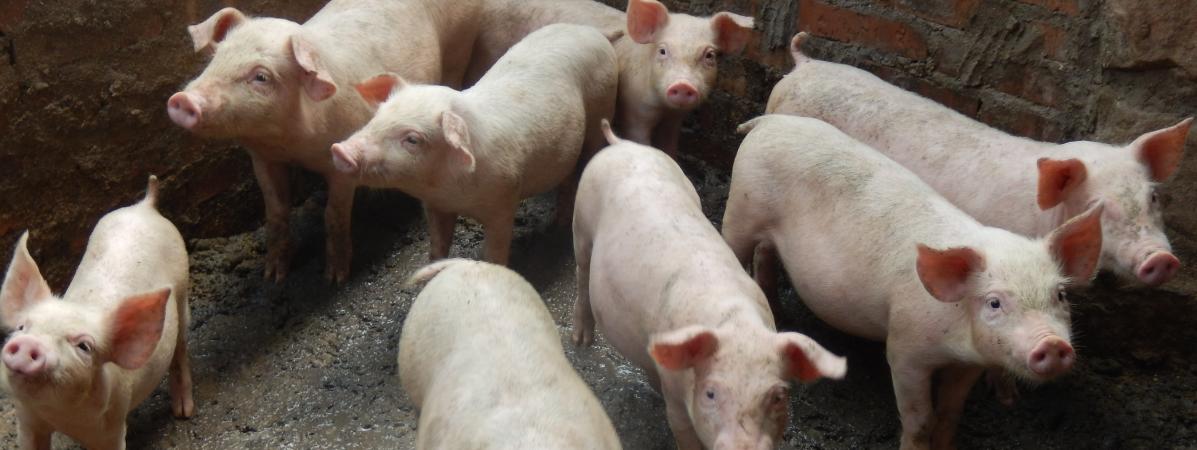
583,334
764,271
566,191
955,382
274,180
634,124
912,390
666,134
1004,388
180,366
440,232
497,243
679,417
338,213
33,433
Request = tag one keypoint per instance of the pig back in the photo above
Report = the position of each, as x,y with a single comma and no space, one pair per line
481,358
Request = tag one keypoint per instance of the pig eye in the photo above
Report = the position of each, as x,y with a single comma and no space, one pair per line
84,346
411,139
261,78
710,394
1155,198
21,327
662,52
994,303
1060,296
710,55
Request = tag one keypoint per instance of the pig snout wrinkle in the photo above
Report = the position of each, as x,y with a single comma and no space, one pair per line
184,110
25,356
1158,268
1051,357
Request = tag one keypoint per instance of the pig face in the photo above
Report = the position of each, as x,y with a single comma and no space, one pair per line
740,393
56,349
1014,295
415,137
686,49
1126,180
253,85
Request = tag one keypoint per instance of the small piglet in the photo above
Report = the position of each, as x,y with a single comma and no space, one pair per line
479,152
875,252
667,62
670,296
78,364
481,358
1005,181
279,88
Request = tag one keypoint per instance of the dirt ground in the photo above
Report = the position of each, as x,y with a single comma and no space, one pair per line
304,365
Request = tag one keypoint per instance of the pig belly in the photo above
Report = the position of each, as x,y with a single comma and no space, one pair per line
618,315
820,271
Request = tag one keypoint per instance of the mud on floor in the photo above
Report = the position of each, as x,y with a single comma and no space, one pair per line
304,365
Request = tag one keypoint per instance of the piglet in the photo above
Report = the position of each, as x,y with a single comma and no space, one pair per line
875,252
1005,181
667,62
479,152
481,358
78,364
280,89
670,296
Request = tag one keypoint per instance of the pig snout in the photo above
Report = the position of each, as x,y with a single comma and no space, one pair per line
185,109
26,356
343,155
682,95
1051,357
1158,268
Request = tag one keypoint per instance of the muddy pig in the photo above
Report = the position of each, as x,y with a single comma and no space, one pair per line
479,152
1005,181
875,252
77,364
670,296
481,358
668,62
280,89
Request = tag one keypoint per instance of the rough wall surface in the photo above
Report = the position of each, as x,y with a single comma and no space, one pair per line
82,87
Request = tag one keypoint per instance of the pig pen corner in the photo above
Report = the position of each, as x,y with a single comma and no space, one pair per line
306,364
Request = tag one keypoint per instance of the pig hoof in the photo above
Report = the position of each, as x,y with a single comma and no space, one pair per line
183,408
583,338
276,271
336,276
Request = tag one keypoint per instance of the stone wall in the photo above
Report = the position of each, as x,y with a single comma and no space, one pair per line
83,83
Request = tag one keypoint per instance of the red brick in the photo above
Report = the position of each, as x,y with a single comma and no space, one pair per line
952,13
1054,39
1022,123
1030,83
839,24
1068,7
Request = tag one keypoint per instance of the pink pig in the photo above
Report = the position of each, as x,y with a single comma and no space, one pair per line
667,62
875,252
480,152
279,88
1005,181
670,296
78,364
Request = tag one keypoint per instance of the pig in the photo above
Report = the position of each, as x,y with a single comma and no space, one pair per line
278,88
1005,181
479,152
667,62
481,358
670,296
875,252
77,364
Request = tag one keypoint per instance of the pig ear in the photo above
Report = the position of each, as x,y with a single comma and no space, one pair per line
946,273
316,80
805,360
377,90
732,32
1057,179
1161,150
457,134
1076,245
205,35
23,285
137,327
646,19
683,348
